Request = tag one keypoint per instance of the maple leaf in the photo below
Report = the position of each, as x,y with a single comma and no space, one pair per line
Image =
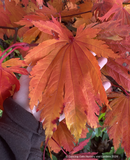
31,7
80,10
63,137
117,38
69,11
118,121
86,6
32,33
80,146
101,7
118,72
67,73
58,4
119,11
84,133
8,81
113,32
25,3
40,3
84,17
48,11
122,48
10,14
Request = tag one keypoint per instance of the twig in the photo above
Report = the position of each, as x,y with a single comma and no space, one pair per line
3,27
76,14
15,35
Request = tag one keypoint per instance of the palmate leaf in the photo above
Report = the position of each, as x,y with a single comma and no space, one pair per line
10,14
63,137
118,72
119,12
117,38
118,120
31,33
100,8
67,75
80,146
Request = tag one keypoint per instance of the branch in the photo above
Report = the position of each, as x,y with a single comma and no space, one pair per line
15,35
76,14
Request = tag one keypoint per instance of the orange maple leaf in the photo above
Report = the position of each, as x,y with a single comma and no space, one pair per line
10,14
58,4
63,137
32,33
118,121
67,73
8,81
86,6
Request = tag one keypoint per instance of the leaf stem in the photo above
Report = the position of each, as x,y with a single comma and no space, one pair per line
89,127
4,27
23,46
14,28
8,54
14,45
125,3
15,36
45,149
125,92
114,83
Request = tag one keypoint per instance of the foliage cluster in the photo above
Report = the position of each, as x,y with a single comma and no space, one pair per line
57,38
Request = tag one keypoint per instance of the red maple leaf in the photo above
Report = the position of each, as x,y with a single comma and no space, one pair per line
118,120
101,7
118,12
8,81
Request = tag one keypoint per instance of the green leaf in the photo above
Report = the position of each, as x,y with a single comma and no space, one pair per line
101,123
102,115
90,133
108,155
1,112
105,135
7,58
98,132
120,150
53,157
88,146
